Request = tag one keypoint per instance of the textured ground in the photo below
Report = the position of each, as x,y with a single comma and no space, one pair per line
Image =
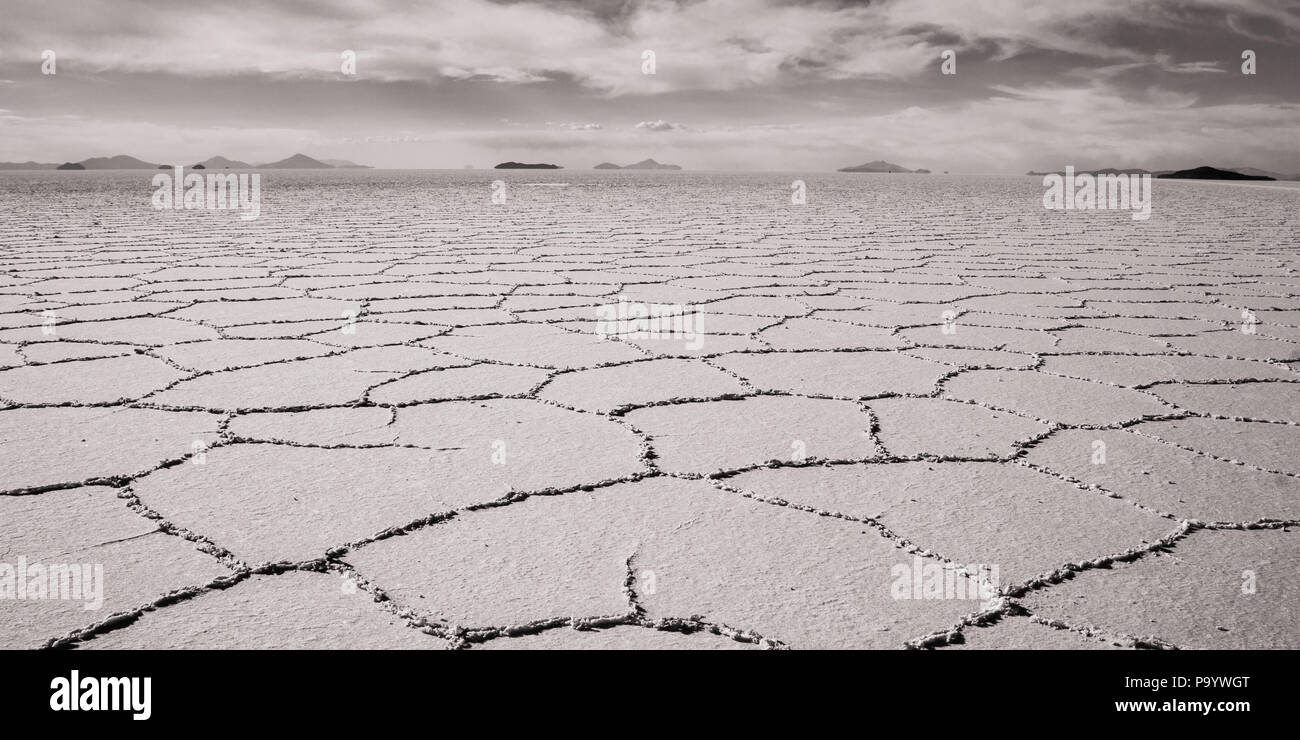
382,414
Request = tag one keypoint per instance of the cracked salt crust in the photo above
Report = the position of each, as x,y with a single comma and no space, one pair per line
707,437
421,395
930,426
1170,479
296,610
968,512
839,374
1230,590
1051,398
90,525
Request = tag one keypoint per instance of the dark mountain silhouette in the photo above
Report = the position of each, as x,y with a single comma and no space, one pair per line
296,162
1103,171
1264,173
606,166
29,165
221,163
650,164
120,162
1206,172
878,165
522,166
124,162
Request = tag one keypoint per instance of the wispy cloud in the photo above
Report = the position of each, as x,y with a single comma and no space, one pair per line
816,83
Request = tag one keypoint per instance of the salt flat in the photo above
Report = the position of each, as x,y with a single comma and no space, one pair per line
393,413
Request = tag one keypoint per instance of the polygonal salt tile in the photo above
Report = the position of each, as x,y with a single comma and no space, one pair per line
460,382
932,426
1263,401
1053,398
711,436
1153,327
1140,371
704,345
1169,479
85,528
730,560
230,313
43,352
1233,343
87,381
374,333
1226,590
297,610
533,344
270,503
62,446
1022,522
844,374
9,356
224,354
622,637
980,337
1264,445
337,379
1098,340
636,383
975,358
823,334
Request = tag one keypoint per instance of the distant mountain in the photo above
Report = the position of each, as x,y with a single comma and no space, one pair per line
1263,173
878,165
344,164
120,162
650,164
1212,173
28,165
1199,173
296,162
123,162
606,166
1103,171
522,166
221,163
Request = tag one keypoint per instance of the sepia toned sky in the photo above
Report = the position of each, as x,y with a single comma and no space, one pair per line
739,84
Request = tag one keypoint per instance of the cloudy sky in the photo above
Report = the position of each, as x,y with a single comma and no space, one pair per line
738,84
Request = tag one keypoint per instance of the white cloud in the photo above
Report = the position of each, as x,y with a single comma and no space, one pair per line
659,125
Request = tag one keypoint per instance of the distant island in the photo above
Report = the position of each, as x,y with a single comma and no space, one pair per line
343,164
1212,173
1105,171
124,162
296,162
221,163
1203,172
29,165
522,166
645,164
881,165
